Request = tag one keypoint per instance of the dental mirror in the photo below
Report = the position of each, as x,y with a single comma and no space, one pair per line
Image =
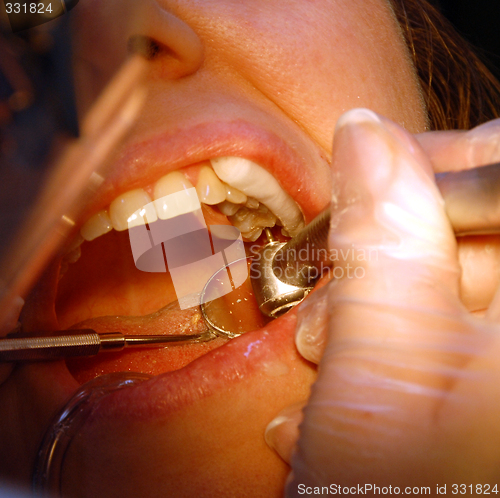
230,309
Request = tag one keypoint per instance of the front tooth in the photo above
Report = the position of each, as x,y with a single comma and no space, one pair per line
132,209
255,181
97,225
209,188
174,195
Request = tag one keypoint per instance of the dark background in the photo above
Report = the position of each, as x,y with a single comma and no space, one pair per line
479,22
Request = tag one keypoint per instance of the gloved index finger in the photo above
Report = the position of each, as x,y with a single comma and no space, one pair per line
458,150
472,200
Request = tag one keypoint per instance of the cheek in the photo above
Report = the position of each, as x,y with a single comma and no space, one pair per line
332,57
215,447
312,59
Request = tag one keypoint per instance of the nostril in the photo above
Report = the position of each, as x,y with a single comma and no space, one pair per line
177,58
146,46
168,41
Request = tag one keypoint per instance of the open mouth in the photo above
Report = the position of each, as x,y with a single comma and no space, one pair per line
100,287
207,403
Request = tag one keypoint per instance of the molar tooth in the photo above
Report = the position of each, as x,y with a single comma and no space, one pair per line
63,269
74,255
132,209
228,208
167,203
255,181
252,203
76,242
71,257
97,225
209,188
265,217
253,235
244,220
247,220
234,195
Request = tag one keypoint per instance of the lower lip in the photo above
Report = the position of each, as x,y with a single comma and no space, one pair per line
166,321
268,352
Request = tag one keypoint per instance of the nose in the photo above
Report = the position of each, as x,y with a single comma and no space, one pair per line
170,43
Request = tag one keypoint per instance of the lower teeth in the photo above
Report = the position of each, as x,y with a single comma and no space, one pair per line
251,222
228,208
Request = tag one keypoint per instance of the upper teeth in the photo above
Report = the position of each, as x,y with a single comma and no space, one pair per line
169,185
233,182
123,210
258,183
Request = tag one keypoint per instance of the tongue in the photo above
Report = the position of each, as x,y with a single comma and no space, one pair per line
167,321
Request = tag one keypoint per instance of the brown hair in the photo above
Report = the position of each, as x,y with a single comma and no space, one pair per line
459,90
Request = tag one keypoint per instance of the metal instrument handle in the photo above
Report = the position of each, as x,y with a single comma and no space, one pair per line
49,348
86,342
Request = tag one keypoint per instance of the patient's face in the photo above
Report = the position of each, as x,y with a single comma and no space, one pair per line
263,80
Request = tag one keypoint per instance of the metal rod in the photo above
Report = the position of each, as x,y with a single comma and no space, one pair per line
472,199
293,263
86,343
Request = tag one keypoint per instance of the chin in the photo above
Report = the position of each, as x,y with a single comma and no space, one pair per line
196,431
196,426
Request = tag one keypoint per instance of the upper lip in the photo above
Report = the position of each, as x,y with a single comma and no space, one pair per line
145,161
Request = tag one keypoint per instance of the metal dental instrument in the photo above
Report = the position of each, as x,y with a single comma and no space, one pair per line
472,203
222,314
86,342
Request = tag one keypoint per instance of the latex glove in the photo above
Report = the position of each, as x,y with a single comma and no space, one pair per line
479,256
408,389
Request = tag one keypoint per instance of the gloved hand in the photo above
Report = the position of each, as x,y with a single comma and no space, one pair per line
408,388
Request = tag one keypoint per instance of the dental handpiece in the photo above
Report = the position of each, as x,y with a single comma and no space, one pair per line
287,272
85,342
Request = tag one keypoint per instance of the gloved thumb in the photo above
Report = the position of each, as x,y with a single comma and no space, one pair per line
394,295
